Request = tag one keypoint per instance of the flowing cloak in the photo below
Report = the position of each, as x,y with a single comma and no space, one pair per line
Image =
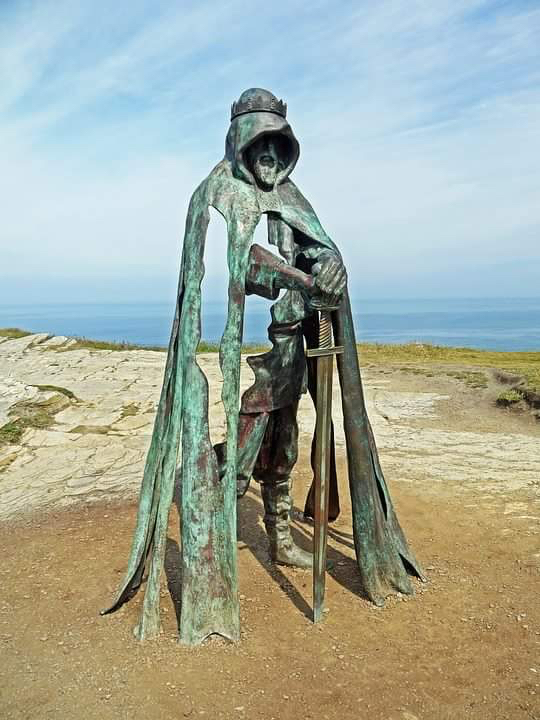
209,602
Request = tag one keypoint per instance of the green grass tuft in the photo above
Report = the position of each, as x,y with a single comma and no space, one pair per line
129,410
82,343
14,333
58,389
11,432
36,417
509,397
35,414
525,364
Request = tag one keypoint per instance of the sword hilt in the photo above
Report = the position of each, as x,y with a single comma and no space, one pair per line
325,330
326,345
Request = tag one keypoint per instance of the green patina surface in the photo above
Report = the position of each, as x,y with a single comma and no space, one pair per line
180,444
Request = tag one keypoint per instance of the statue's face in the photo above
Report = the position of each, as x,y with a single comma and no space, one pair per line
264,162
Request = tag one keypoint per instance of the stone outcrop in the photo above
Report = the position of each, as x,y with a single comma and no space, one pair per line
79,423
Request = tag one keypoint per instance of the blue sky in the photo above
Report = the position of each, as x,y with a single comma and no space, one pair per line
419,127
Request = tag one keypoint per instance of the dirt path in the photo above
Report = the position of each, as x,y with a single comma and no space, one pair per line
464,478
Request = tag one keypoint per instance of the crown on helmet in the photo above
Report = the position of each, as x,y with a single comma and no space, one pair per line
258,100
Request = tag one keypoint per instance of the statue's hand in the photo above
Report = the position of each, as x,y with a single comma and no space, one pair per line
330,276
330,280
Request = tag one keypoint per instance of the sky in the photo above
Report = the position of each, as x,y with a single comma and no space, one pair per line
418,122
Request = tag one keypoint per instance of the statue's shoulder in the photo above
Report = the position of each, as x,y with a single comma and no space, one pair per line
291,195
228,194
210,184
298,212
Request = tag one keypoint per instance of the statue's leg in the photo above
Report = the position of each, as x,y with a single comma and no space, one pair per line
277,456
251,430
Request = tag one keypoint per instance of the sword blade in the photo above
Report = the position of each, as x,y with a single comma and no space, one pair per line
322,480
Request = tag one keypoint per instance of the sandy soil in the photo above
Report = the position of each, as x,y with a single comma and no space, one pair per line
467,645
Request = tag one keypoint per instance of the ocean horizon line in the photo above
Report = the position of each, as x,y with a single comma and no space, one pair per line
484,323
263,301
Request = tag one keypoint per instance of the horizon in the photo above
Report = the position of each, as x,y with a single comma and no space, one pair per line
254,300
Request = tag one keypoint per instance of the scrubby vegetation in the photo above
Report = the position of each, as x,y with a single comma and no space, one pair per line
58,389
88,344
13,332
33,416
38,414
509,397
526,365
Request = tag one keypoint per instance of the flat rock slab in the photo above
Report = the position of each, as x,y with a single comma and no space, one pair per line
96,445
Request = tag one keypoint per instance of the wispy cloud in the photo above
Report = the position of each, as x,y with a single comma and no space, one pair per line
418,123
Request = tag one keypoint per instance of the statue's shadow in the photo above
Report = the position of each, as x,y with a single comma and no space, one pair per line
173,573
342,568
252,537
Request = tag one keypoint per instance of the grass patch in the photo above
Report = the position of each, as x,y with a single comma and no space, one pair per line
35,417
11,432
58,389
204,346
509,397
525,364
473,378
14,333
531,374
129,410
82,343
32,415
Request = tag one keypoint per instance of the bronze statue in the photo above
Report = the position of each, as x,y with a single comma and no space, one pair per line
262,434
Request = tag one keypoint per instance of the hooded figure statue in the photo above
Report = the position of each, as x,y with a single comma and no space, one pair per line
261,433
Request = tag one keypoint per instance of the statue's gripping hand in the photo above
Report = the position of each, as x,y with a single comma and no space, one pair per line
330,278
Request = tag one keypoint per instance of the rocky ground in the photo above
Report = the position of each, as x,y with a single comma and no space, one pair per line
74,428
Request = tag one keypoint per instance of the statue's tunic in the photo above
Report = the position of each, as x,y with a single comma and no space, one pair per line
281,373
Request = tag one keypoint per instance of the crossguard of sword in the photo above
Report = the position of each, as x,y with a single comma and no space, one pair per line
326,346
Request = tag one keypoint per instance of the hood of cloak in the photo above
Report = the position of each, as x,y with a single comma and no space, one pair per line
246,129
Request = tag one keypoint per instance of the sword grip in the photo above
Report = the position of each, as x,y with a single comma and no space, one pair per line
325,330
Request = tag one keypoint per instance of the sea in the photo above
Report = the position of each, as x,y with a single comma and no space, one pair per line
484,323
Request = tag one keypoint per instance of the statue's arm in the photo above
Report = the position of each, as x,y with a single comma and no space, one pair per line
311,257
267,274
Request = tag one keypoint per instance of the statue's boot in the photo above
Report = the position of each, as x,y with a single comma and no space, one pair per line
277,513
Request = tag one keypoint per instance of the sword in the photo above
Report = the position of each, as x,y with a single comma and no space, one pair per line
325,361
